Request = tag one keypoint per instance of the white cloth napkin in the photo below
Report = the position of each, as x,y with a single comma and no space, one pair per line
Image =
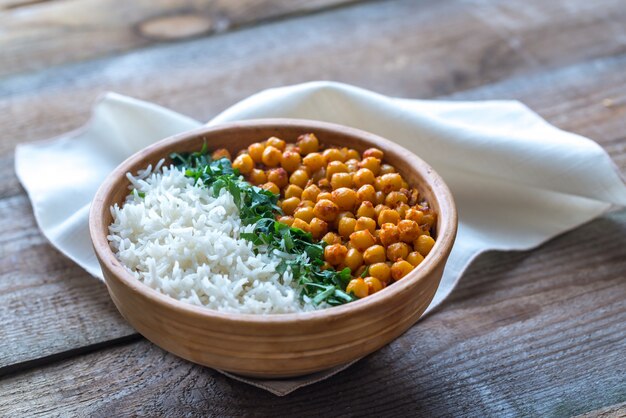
517,180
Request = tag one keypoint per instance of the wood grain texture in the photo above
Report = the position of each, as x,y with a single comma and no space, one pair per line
39,34
519,338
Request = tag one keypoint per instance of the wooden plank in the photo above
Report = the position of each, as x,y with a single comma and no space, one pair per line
538,333
39,106
38,34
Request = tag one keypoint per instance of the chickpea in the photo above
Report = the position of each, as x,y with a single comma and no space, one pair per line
271,156
346,227
362,240
221,153
398,251
388,234
423,244
301,224
372,164
415,258
373,152
366,193
319,175
380,198
405,185
378,209
257,176
293,191
335,254
344,197
287,220
359,272
331,238
358,288
306,204
395,198
290,161
374,254
244,164
400,268
314,161
318,228
311,192
333,154
353,260
428,220
413,197
373,284
353,166
353,154
365,223
334,167
366,209
345,214
388,216
299,178
363,176
324,184
324,196
289,205
271,187
409,230
390,182
308,143
401,209
386,169
305,213
276,143
381,271
256,151
326,210
278,176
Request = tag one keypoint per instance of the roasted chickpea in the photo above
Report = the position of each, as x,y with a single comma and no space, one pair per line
244,164
314,161
414,215
397,251
395,198
374,254
362,240
257,176
292,147
326,210
366,209
271,187
346,227
299,178
386,169
400,268
289,205
287,220
333,154
293,191
221,153
278,176
335,254
256,151
365,223
381,271
363,176
380,198
405,185
413,196
423,244
271,156
344,197
409,230
388,216
378,209
301,224
324,184
428,220
372,164
324,196
276,143
415,258
353,154
388,234
353,166
305,213
366,193
373,152
358,288
359,272
290,161
318,228
331,238
335,167
311,192
390,182
373,284
306,204
401,208
344,214
308,143
353,260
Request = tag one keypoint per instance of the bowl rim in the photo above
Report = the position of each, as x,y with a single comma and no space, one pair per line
440,251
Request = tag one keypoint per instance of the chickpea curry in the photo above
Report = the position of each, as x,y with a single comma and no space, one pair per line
373,227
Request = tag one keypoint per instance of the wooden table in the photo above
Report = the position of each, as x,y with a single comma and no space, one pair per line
535,333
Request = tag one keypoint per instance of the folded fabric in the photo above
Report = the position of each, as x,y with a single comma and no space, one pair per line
517,180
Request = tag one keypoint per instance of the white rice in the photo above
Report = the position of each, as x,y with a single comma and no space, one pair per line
183,242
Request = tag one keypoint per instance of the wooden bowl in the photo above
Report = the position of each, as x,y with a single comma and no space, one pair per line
279,345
